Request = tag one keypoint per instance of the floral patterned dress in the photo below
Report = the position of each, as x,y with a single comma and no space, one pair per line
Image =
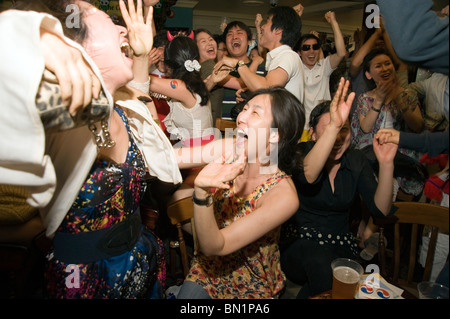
251,272
360,139
110,194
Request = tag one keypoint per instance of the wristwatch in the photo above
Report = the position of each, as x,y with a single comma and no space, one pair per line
238,65
203,202
375,109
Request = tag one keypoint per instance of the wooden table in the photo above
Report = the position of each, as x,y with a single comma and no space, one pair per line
323,295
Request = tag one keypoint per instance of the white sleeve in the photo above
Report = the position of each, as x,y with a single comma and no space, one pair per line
52,167
22,138
287,61
143,87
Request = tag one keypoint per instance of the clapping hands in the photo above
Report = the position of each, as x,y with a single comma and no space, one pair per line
388,88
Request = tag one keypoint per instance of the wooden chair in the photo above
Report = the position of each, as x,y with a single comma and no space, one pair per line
418,215
181,212
222,125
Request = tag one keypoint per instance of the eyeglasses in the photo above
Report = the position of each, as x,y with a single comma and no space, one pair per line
306,47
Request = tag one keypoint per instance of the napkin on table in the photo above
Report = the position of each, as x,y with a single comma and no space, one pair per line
373,286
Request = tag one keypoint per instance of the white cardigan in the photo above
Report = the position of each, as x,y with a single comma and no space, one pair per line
53,168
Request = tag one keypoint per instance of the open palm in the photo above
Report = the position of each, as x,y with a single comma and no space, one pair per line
339,107
140,32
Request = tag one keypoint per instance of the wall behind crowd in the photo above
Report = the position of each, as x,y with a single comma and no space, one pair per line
183,14
211,20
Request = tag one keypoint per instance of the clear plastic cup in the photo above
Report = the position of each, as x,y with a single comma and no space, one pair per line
346,276
432,290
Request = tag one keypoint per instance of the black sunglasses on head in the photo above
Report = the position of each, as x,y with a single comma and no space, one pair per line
306,47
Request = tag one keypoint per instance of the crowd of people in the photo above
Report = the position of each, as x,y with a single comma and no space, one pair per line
272,203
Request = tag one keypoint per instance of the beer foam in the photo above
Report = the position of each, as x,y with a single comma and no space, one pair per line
346,275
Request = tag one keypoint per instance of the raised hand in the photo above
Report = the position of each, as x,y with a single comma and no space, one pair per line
330,16
140,32
156,55
223,25
258,20
315,33
299,9
339,107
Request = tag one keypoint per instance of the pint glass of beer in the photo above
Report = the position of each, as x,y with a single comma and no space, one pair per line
346,276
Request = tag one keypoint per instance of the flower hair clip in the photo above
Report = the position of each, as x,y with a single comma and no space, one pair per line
192,65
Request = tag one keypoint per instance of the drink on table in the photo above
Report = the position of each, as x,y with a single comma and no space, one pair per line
346,276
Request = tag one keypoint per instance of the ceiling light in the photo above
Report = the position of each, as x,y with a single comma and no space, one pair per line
253,2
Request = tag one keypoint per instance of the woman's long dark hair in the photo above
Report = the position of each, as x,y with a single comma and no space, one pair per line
176,53
289,119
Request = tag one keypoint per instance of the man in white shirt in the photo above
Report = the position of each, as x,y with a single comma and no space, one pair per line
317,71
279,34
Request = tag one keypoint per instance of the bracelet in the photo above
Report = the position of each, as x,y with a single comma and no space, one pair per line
144,99
375,109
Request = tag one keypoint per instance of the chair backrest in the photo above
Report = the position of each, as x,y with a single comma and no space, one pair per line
181,210
417,214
